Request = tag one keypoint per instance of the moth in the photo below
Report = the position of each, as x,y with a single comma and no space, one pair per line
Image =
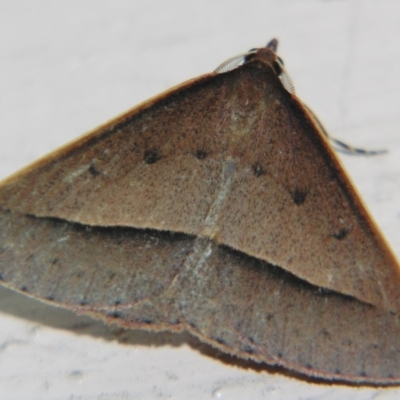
220,208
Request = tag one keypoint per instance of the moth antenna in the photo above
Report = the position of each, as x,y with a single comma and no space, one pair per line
338,145
286,81
345,148
233,62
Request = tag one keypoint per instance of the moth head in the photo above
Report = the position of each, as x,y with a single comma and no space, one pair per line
265,54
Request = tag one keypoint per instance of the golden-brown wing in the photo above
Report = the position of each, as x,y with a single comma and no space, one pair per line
234,157
217,207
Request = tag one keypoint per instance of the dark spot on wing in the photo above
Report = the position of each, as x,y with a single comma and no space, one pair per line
270,316
93,171
247,349
299,196
219,340
49,298
201,154
258,170
326,334
192,324
341,234
151,156
24,289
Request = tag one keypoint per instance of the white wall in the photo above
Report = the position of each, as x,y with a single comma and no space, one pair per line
68,65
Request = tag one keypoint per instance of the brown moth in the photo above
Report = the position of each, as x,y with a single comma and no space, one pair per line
219,208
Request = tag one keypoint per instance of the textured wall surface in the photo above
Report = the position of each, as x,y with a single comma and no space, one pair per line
68,66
